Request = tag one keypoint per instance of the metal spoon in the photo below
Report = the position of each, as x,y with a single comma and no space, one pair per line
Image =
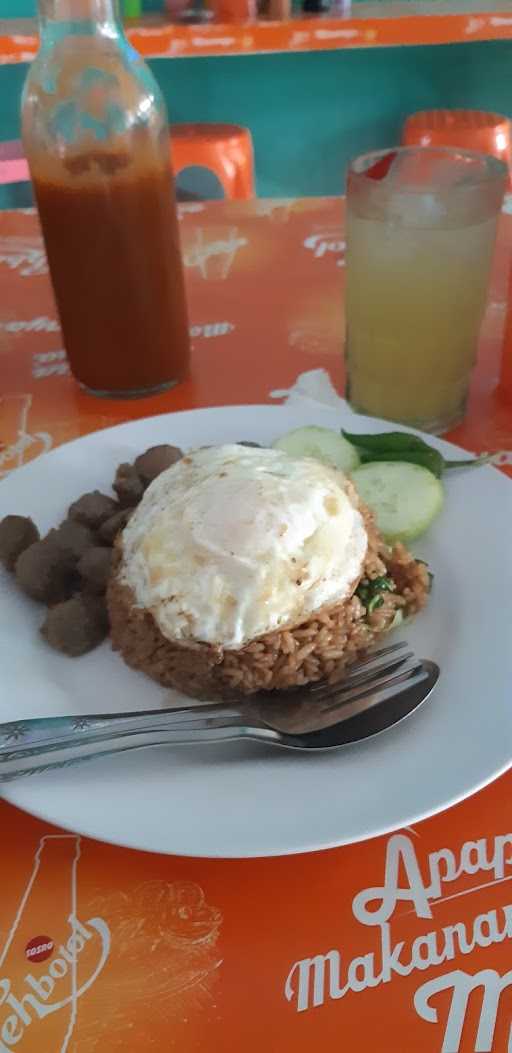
381,690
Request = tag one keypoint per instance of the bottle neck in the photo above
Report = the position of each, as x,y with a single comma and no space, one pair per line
58,18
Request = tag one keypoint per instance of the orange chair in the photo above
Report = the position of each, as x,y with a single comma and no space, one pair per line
13,166
489,133
225,149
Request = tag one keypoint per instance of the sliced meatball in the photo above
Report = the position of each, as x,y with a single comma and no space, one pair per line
156,460
17,533
128,485
76,626
110,528
94,569
73,537
93,509
46,572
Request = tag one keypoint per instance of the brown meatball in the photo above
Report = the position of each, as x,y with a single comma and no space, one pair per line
156,460
16,534
93,509
73,537
128,485
110,528
76,626
94,569
46,572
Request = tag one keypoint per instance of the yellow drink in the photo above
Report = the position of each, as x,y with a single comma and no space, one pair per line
417,269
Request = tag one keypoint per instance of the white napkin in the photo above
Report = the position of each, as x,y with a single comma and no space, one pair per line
314,388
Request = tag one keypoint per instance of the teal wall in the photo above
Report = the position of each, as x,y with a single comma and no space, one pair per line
309,113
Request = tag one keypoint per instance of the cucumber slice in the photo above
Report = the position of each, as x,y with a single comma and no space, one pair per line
404,497
322,444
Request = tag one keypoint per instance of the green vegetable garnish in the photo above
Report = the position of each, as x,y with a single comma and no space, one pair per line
399,446
382,584
370,592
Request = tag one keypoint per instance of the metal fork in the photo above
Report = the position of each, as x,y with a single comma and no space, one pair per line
377,692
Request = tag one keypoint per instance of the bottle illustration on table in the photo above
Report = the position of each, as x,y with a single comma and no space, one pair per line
17,443
50,956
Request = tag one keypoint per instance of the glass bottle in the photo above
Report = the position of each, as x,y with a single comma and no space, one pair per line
96,138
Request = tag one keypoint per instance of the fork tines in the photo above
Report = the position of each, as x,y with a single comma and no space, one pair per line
365,665
387,668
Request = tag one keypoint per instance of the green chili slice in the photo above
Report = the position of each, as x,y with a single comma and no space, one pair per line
401,446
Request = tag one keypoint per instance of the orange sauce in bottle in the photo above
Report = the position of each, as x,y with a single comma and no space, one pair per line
111,234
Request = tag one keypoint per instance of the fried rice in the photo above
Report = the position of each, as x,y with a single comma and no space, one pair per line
322,646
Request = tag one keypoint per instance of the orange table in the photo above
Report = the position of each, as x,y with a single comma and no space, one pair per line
104,949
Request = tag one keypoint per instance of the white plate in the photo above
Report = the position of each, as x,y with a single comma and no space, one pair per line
247,800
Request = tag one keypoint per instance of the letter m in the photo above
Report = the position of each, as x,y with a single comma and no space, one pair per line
463,985
311,980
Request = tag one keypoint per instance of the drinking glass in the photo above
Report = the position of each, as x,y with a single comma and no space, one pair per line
421,228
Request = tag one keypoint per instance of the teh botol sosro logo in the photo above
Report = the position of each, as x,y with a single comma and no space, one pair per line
55,986
39,948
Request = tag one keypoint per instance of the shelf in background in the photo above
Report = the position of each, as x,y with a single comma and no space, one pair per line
382,24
